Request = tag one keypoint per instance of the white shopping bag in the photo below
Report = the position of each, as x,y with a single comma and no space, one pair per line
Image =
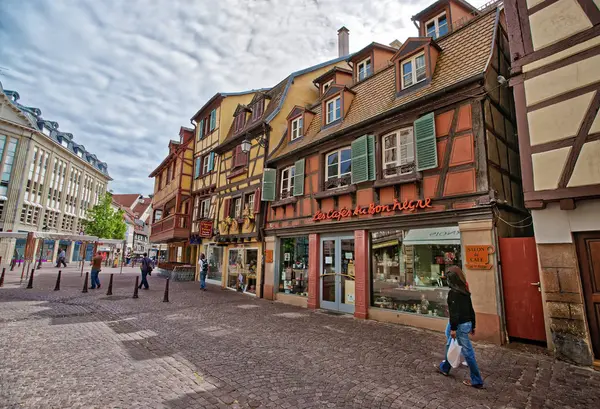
454,353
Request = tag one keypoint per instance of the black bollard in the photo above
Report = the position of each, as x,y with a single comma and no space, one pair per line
30,284
12,265
166,297
109,292
85,285
2,277
135,291
57,286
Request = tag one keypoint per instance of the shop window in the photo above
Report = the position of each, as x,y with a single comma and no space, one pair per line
338,168
398,153
293,265
214,255
242,270
409,269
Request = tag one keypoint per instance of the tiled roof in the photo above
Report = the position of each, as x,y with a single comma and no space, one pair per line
141,206
465,54
225,95
126,199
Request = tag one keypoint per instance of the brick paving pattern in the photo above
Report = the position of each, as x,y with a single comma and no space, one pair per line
221,349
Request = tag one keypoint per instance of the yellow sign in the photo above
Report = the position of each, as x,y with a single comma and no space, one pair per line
478,257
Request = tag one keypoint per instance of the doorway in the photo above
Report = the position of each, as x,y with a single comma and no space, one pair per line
588,253
337,273
522,290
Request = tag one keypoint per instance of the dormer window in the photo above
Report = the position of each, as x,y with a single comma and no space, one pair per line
437,26
239,121
296,128
64,143
413,71
258,109
364,69
334,110
327,85
79,153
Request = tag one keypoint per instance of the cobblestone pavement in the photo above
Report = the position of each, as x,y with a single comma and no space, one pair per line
221,349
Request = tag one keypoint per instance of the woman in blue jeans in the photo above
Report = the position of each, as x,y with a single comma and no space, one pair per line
461,324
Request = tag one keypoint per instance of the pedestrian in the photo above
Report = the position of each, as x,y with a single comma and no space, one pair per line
203,271
460,325
62,256
96,268
146,268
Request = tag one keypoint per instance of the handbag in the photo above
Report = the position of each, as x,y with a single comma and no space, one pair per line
453,354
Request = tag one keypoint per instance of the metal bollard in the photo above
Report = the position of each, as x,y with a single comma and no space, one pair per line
109,292
2,277
135,291
85,283
12,265
30,283
166,297
57,286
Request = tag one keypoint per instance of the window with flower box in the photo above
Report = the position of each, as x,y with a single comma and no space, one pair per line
338,169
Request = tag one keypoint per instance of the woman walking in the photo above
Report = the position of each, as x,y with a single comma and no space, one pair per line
461,324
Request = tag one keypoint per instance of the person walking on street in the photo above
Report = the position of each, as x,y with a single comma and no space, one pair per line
96,267
146,268
460,325
203,271
62,256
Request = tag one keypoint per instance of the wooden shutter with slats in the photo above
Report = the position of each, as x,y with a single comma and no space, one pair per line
299,178
211,161
360,160
213,119
257,201
371,157
226,207
268,185
201,129
424,129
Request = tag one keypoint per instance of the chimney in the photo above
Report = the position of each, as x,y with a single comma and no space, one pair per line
343,42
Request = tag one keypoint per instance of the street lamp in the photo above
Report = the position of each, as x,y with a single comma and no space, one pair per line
45,228
246,145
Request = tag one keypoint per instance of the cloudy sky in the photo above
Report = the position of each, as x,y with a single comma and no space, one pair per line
124,75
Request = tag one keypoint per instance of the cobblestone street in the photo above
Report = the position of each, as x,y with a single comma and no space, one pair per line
221,349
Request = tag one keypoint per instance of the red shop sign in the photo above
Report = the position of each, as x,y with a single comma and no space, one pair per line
410,205
206,228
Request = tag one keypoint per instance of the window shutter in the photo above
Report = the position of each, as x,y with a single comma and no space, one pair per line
257,201
201,131
197,168
268,185
236,156
299,178
226,207
426,142
371,156
243,157
211,161
360,160
213,119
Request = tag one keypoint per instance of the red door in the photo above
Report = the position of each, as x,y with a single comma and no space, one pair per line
522,296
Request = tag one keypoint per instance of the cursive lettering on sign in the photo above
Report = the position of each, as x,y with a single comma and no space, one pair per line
410,205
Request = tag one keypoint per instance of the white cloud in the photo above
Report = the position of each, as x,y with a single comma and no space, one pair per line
123,76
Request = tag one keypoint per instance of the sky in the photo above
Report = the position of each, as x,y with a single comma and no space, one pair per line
124,75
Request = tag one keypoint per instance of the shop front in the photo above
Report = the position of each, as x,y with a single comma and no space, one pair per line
214,256
243,269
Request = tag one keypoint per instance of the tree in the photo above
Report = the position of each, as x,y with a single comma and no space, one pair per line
105,222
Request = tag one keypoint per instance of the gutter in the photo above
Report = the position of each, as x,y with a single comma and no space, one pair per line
407,106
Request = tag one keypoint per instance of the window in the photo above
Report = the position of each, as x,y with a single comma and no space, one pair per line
168,174
437,27
334,110
79,153
293,265
297,128
205,209
364,69
64,143
213,120
287,182
327,85
236,208
398,153
257,109
157,215
250,203
408,269
413,71
8,164
242,269
205,165
339,167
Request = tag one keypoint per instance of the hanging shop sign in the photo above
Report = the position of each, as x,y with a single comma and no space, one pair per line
397,206
478,257
206,228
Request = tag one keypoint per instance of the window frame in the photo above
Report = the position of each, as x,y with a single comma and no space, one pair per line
436,25
289,190
326,85
339,164
236,213
204,208
333,101
205,162
250,199
368,69
413,66
398,162
299,129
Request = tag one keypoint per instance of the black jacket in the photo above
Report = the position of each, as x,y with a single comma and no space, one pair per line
460,308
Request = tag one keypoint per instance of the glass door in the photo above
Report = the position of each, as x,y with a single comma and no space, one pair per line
337,274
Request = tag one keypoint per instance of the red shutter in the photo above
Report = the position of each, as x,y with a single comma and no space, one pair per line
226,207
243,157
235,157
257,201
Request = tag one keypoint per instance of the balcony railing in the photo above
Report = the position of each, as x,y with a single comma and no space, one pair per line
171,227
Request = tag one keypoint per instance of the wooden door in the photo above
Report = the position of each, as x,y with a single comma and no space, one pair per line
521,284
588,253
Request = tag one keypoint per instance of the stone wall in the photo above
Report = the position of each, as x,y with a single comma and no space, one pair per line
563,299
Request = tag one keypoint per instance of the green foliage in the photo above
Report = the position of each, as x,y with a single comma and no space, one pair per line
104,221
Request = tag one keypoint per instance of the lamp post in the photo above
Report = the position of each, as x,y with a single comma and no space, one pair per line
44,229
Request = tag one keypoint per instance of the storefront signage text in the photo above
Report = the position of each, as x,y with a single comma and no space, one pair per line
268,256
206,228
478,257
410,205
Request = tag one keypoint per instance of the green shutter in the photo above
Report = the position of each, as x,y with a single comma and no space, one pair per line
371,156
211,162
426,144
299,178
201,131
213,119
197,168
268,185
360,160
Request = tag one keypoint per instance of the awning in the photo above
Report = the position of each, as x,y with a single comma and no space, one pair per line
439,235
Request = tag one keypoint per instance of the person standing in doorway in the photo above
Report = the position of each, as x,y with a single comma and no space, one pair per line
460,325
62,256
96,267
203,271
146,268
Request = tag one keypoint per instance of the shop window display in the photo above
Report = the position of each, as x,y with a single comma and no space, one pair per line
293,265
214,255
408,269
242,270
